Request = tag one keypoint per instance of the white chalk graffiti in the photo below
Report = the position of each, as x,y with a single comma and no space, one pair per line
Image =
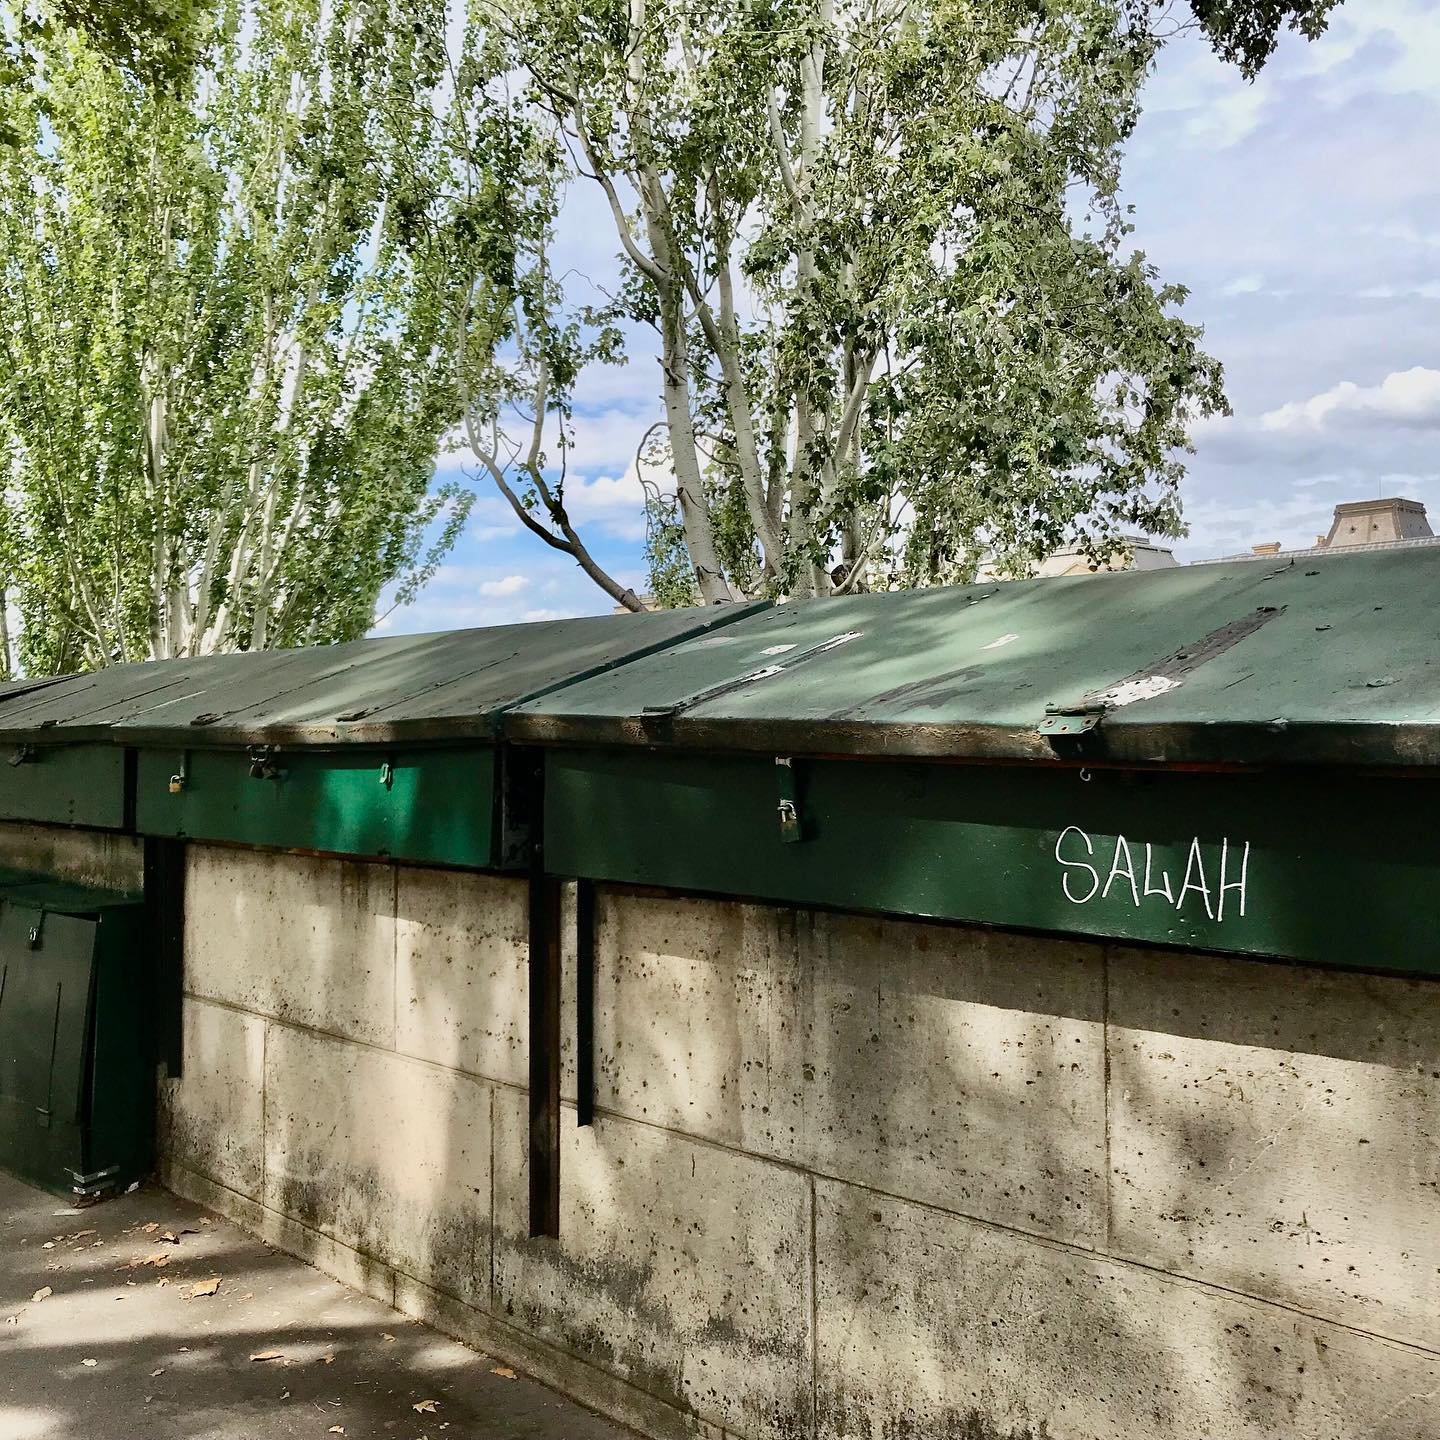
1148,882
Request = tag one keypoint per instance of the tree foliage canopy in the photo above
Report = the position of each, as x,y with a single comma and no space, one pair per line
884,254
225,354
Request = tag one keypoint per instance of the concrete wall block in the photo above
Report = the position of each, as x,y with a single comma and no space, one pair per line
681,1268
461,971
694,1007
956,1066
937,1326
947,1064
389,1156
1276,1130
85,857
212,1117
310,941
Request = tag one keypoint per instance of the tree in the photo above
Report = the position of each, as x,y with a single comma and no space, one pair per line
226,363
883,252
1246,32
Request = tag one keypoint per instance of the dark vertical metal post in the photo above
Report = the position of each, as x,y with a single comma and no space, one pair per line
544,1025
584,1002
165,917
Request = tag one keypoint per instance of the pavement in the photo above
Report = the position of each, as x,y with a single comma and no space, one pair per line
146,1318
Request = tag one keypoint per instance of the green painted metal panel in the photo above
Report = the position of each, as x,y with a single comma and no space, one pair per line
1333,659
390,689
76,1089
1323,869
428,805
63,785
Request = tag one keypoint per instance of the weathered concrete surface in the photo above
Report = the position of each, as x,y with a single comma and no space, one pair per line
937,1326
388,1155
461,982
1029,1154
215,1116
682,1268
1277,1131
307,940
86,857
955,1066
118,1353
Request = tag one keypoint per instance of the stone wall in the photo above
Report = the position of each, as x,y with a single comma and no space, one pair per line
94,858
850,1178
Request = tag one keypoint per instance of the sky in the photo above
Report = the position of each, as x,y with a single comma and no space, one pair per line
1303,213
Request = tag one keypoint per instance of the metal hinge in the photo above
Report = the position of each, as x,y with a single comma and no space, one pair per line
24,755
1071,719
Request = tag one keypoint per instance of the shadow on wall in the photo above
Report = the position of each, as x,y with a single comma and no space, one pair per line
937,1076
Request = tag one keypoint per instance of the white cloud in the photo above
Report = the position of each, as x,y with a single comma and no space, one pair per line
509,585
1244,285
1429,290
1404,397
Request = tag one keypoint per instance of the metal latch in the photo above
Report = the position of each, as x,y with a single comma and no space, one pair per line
24,755
1071,719
262,763
789,807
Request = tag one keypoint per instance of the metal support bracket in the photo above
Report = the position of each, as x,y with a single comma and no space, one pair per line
545,1035
584,1002
25,755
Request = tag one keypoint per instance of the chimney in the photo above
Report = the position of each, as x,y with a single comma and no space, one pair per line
1377,522
1270,547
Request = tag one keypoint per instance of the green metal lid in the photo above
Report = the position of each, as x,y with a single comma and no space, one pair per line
378,691
1328,659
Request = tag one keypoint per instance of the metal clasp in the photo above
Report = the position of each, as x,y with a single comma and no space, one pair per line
788,806
262,763
181,777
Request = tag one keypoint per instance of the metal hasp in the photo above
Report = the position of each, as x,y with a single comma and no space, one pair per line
76,1084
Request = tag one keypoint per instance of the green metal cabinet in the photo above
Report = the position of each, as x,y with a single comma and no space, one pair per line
64,784
76,1079
1334,870
434,806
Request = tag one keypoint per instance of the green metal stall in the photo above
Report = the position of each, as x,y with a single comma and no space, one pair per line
384,749
76,1085
1239,758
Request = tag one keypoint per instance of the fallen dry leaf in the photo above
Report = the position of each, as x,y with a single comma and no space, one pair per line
43,1294
160,1371
384,1336
48,1245
503,1371
81,1234
151,1228
205,1287
90,1364
171,1236
268,1355
328,1359
336,1430
427,1407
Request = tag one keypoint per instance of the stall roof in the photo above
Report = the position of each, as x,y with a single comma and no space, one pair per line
1314,660
448,686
